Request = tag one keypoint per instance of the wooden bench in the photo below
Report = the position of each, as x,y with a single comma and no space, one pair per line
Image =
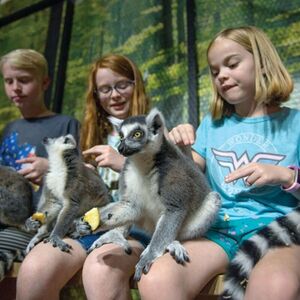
73,289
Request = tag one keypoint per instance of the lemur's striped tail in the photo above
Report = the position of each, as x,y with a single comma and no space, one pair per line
283,232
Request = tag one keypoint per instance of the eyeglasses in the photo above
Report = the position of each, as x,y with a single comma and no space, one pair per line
122,87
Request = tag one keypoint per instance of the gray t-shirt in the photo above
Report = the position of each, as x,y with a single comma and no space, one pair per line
23,137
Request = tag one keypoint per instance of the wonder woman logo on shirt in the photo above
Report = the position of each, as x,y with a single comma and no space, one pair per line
230,160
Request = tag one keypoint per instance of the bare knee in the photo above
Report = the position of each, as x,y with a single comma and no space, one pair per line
30,280
30,269
100,264
152,283
107,271
160,283
272,285
47,269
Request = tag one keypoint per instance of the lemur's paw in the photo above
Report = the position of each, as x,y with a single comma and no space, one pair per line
146,260
81,228
6,261
178,252
112,237
143,266
32,224
29,247
56,241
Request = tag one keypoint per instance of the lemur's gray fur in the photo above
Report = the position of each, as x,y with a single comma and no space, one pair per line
282,232
15,198
161,190
70,189
15,208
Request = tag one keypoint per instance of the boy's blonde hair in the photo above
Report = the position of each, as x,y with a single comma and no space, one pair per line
273,83
27,59
95,126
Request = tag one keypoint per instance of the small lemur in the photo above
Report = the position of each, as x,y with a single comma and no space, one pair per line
15,208
15,198
162,191
70,189
282,232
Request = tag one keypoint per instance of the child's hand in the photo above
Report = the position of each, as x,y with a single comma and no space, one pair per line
106,156
183,134
36,168
263,174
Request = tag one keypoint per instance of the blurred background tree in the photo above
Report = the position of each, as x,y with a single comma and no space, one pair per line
154,33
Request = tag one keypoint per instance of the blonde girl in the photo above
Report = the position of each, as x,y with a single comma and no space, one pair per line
244,145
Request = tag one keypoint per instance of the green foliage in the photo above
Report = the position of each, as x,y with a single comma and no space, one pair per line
11,6
153,33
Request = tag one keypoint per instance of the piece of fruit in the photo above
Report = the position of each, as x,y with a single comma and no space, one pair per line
92,217
39,217
35,186
226,217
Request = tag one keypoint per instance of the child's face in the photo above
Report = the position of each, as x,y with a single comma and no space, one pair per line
115,102
233,70
23,87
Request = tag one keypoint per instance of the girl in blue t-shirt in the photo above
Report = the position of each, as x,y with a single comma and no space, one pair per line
245,146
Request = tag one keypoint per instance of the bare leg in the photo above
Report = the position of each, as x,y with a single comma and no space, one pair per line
46,270
107,271
276,276
169,280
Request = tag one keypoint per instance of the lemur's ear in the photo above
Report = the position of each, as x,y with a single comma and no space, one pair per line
155,121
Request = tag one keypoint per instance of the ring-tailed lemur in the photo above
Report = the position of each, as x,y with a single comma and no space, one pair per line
15,198
282,232
70,189
15,208
161,189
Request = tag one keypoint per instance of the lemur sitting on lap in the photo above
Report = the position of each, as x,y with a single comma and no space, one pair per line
15,198
15,208
162,191
70,189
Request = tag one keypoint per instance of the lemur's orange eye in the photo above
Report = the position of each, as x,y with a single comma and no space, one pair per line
137,134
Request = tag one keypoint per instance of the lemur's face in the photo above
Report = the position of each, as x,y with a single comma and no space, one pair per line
60,144
141,134
133,135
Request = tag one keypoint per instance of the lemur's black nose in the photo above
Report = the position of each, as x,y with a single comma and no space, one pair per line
45,140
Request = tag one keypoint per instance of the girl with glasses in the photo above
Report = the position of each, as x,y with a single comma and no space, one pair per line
115,92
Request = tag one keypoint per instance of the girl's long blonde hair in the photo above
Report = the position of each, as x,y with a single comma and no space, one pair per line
95,126
273,83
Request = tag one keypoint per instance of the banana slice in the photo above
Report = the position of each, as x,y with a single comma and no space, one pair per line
93,218
39,217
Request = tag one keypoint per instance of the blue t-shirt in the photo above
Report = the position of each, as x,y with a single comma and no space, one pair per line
232,142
